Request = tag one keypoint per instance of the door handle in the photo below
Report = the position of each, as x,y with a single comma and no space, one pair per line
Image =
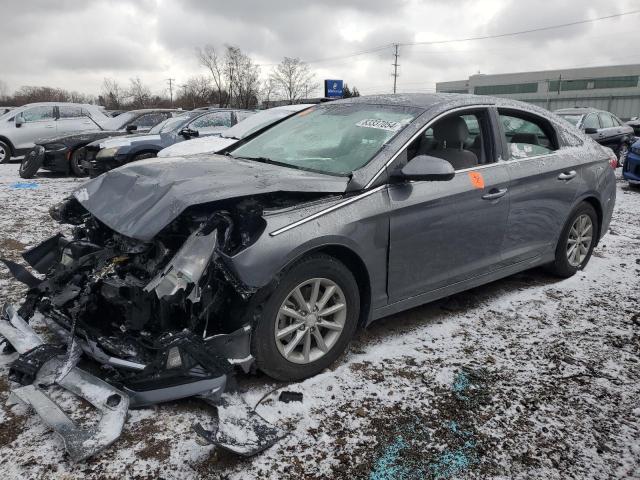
494,193
567,175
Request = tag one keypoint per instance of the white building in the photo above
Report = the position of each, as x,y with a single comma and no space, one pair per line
614,89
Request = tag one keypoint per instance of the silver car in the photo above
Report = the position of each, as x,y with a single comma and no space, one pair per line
22,126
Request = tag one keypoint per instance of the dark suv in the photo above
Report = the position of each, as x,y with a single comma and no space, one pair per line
604,127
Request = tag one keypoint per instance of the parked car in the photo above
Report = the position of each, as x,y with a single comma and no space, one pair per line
604,127
635,124
247,127
65,153
104,155
273,254
22,126
631,168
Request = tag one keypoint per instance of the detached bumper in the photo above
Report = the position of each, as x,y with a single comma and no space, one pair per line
112,404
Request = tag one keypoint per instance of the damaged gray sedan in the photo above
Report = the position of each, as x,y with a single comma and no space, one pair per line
181,271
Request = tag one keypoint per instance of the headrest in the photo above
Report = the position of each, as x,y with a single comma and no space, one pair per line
452,130
530,138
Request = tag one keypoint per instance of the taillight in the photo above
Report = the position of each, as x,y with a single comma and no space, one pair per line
613,161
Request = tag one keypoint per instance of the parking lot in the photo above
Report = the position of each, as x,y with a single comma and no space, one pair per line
527,377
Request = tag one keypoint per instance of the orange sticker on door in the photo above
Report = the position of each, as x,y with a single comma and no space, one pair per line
476,179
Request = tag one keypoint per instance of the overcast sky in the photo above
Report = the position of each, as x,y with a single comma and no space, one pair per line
74,44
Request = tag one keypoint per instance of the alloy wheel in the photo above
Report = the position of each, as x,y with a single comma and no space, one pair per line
310,320
579,241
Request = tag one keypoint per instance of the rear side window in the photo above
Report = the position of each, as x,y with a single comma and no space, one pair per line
150,119
216,119
71,112
606,121
38,114
591,121
527,135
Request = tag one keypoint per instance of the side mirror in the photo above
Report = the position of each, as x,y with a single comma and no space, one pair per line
424,167
189,133
131,128
590,131
19,121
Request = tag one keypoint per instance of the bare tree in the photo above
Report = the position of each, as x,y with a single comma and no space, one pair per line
293,79
209,59
4,90
267,90
113,94
196,92
139,94
243,78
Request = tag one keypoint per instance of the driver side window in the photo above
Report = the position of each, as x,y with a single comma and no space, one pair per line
462,139
38,114
216,119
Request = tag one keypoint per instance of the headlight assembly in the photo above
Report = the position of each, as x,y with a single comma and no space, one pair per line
107,152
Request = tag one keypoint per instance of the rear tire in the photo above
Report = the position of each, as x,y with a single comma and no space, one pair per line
623,152
270,351
5,153
574,237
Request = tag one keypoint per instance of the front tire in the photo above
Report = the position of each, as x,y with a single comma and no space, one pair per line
308,320
576,243
75,163
5,153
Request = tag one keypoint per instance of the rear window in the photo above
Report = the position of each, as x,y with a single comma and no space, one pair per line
572,119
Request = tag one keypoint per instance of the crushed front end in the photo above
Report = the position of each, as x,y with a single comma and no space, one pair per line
164,319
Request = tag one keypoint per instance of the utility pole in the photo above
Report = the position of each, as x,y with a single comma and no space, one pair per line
171,80
395,67
559,83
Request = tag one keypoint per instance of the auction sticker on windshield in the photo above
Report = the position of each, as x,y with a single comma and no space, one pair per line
380,124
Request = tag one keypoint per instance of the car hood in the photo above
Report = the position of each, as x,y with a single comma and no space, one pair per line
129,140
139,199
198,145
84,137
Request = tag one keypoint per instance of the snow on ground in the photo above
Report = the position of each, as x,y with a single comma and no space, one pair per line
528,377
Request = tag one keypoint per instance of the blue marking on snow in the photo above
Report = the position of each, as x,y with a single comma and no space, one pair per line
24,185
387,467
451,463
460,385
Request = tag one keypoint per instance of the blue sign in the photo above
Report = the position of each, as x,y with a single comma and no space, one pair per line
333,88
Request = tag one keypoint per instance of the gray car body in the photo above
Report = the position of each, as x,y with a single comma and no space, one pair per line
408,242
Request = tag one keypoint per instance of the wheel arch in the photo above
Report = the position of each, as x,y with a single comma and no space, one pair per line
597,206
355,264
8,142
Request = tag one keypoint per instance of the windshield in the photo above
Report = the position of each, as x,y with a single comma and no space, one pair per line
332,138
119,122
170,124
258,121
572,119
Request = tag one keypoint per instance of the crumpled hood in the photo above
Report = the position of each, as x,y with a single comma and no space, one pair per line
139,199
84,137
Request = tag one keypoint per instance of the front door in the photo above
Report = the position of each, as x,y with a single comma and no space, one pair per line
38,122
445,232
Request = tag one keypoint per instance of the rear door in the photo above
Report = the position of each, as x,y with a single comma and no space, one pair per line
446,232
212,123
544,184
38,122
611,133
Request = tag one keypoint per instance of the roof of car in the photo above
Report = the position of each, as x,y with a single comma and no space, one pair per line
41,104
431,100
577,110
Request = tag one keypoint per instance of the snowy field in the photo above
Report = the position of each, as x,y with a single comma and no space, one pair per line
528,377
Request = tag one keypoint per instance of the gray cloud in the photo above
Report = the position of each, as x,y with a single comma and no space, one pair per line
74,43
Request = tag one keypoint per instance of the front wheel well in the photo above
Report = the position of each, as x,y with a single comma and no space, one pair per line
355,264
